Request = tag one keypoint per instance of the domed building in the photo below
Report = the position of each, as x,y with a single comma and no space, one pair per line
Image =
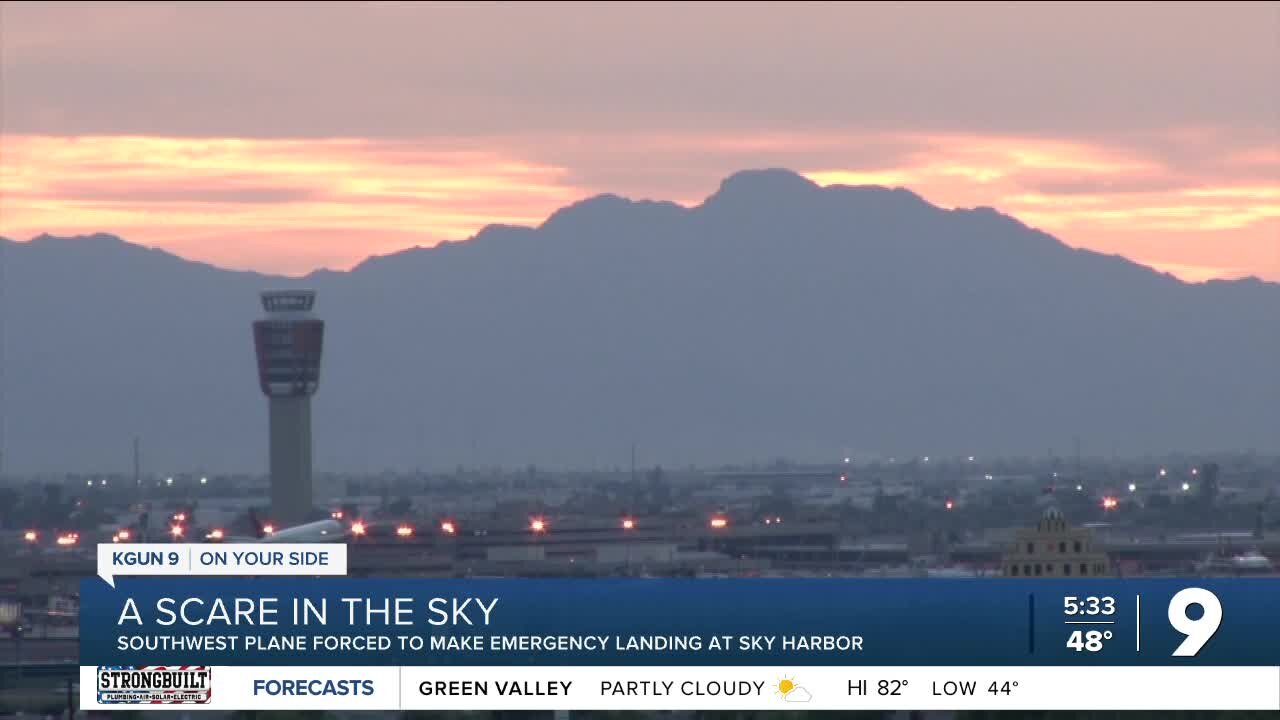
1054,549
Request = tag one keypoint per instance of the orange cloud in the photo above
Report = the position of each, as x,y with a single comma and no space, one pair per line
277,205
1101,198
291,205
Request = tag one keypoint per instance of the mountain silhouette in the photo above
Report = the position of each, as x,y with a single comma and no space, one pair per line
777,318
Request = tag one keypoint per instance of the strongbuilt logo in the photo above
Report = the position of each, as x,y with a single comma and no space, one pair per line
154,684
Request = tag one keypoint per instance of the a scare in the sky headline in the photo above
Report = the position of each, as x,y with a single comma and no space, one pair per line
367,621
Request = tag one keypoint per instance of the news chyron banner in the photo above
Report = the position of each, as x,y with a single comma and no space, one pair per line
296,634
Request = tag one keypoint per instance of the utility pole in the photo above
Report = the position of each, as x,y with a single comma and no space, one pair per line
137,468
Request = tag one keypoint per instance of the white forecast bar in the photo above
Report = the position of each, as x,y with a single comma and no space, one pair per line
697,688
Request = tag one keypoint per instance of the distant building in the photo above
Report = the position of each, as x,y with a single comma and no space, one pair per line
1054,549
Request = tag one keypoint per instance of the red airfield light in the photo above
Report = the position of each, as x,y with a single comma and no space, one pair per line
448,528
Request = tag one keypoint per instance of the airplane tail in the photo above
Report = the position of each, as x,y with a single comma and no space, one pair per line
255,524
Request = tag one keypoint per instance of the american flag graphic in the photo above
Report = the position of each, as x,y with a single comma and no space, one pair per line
154,684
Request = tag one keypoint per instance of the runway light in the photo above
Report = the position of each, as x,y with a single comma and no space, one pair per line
988,476
538,525
404,531
628,524
204,481
168,481
1195,471
1133,487
951,504
1186,486
846,461
215,534
768,521
268,529
844,478
1163,472
448,528
357,528
1079,488
970,458
719,522
31,536
926,458
176,531
89,483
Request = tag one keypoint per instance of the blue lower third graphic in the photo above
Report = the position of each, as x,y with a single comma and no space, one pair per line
143,622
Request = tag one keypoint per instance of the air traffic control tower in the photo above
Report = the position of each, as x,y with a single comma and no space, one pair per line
288,341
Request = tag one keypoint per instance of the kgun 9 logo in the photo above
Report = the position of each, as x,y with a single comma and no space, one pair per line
1198,630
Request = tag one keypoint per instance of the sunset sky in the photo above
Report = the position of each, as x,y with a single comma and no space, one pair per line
284,138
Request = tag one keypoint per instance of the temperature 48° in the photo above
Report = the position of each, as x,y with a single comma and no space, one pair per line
1088,640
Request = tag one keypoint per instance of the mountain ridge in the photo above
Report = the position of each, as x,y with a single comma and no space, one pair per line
776,318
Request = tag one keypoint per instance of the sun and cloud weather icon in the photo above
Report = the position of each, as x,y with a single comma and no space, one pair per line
791,691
